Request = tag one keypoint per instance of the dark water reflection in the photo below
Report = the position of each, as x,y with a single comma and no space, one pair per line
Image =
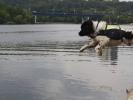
42,62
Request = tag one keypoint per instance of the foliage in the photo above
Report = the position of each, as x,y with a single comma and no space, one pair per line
19,11
14,15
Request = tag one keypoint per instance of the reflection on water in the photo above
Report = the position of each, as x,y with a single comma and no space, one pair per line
111,55
114,55
42,62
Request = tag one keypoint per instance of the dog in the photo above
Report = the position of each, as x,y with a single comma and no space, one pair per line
129,94
103,36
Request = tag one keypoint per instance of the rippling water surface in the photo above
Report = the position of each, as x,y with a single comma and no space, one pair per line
42,62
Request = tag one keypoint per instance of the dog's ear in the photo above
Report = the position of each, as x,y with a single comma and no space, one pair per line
85,19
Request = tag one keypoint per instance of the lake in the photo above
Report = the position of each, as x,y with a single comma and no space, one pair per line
43,62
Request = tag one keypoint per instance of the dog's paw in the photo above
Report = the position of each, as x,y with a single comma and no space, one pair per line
81,50
83,47
98,50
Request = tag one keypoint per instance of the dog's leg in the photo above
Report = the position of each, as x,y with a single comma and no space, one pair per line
84,47
98,49
127,42
92,44
102,42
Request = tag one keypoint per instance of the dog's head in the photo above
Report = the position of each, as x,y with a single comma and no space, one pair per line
87,28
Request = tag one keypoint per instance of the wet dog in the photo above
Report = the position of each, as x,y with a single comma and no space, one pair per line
102,36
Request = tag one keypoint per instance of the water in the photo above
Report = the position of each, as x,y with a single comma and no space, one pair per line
42,62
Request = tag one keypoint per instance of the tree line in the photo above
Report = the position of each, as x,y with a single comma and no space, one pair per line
17,12
14,15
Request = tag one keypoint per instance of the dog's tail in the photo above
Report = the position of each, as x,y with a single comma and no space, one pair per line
128,35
